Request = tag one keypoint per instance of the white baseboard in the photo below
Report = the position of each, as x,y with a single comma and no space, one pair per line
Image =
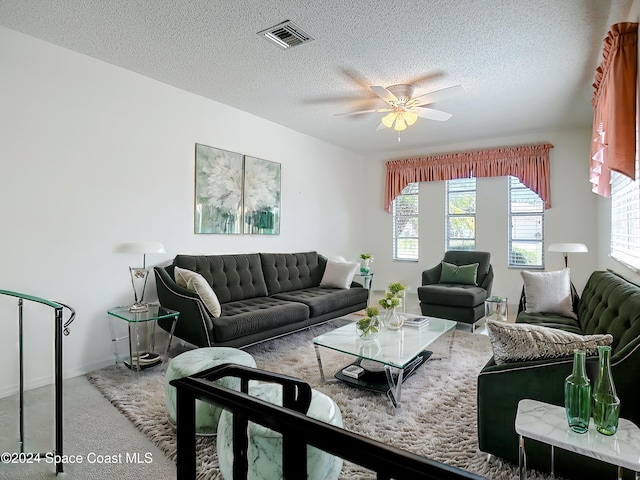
45,380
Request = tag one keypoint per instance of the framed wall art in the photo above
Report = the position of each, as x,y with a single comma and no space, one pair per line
261,196
218,191
235,193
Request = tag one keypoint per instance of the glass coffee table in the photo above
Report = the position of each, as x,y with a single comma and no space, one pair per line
389,359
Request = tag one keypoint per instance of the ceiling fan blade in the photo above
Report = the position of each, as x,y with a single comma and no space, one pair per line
359,112
435,96
384,94
381,127
432,114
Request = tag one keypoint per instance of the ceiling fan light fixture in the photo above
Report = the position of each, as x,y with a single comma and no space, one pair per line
410,117
388,120
400,123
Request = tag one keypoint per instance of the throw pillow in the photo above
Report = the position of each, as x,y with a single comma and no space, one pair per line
338,274
196,283
548,292
464,274
513,342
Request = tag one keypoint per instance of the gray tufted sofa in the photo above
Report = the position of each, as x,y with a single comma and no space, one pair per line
262,295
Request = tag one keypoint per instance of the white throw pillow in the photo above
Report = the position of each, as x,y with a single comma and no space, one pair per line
338,274
513,342
548,292
196,283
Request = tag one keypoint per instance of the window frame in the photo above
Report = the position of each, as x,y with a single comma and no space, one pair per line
448,215
625,219
411,190
515,184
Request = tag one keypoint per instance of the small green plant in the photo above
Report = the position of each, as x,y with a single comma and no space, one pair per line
368,325
372,311
365,256
389,301
395,288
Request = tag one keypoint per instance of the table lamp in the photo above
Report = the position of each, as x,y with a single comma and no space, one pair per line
567,248
139,275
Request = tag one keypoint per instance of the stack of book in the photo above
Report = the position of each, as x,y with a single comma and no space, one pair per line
415,321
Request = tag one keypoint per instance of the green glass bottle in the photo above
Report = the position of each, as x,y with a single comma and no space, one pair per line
577,394
606,404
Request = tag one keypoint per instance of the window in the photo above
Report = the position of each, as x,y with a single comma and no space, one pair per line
526,226
460,218
405,224
625,219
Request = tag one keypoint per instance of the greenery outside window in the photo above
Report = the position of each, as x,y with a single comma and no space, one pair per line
460,217
526,226
625,219
405,224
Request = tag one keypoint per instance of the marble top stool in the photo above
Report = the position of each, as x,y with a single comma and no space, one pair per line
196,361
265,445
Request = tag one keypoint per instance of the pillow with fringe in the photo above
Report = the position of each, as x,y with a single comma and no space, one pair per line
514,342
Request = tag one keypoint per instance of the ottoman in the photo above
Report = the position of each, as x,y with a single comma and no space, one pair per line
196,361
265,446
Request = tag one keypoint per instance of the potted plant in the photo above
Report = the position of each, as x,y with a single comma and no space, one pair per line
390,302
368,327
396,288
367,258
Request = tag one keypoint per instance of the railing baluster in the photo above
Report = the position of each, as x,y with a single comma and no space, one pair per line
60,328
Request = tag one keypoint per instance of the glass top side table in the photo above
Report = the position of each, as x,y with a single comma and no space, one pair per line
139,333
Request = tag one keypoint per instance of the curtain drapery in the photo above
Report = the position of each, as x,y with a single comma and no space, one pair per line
614,108
530,163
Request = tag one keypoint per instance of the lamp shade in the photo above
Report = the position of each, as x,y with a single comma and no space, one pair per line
568,247
140,247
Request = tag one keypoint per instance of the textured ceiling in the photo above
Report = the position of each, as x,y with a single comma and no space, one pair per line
526,65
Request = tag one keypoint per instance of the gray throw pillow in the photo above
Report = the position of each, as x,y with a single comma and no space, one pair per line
548,292
513,342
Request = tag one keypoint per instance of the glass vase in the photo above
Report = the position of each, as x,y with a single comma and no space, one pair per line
393,321
368,327
606,404
577,394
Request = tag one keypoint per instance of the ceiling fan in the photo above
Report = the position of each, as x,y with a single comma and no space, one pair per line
403,109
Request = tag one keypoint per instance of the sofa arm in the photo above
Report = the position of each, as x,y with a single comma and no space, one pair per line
432,275
194,324
501,387
487,283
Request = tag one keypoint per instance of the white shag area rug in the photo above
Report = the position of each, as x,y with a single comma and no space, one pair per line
438,417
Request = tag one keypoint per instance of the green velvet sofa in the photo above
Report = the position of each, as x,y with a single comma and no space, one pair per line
261,296
608,304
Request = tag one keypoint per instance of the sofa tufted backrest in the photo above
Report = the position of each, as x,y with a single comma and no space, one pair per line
610,304
284,272
232,277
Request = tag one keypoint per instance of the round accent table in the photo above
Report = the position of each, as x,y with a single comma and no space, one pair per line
196,361
265,446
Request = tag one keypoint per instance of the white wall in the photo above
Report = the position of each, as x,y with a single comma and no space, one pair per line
571,219
93,155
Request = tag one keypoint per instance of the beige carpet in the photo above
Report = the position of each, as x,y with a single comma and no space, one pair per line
438,419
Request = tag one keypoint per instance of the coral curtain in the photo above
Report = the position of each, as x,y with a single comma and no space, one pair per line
530,163
614,108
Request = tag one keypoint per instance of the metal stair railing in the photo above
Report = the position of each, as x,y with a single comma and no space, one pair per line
61,328
298,431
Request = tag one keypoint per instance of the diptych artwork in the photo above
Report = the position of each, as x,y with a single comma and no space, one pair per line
236,194
261,196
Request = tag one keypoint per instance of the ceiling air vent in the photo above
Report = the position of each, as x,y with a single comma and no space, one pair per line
286,34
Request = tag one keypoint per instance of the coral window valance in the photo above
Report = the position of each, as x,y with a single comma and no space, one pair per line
614,108
530,163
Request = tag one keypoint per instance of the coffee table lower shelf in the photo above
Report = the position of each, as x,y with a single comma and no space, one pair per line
377,381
